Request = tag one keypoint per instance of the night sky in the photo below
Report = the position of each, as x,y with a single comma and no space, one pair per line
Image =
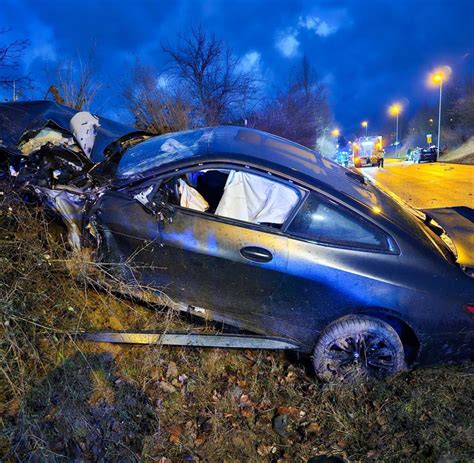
369,53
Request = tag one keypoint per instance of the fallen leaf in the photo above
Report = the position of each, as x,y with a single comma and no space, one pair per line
175,433
264,450
172,370
199,440
313,428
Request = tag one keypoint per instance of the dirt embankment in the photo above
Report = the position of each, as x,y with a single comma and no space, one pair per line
65,400
462,155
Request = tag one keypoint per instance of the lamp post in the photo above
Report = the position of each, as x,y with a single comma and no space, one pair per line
438,78
395,110
365,124
335,133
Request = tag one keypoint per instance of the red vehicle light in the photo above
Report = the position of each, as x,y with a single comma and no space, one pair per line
470,308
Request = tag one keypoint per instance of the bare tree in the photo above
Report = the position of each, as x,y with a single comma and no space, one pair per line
460,109
75,83
157,108
301,112
11,75
206,68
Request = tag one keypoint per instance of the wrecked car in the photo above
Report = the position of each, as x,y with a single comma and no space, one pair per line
242,227
46,144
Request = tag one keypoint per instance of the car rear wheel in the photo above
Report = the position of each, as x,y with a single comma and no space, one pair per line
358,348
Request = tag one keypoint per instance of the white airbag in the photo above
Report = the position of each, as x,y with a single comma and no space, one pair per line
255,199
191,198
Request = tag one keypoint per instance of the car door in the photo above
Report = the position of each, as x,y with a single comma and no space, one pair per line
200,259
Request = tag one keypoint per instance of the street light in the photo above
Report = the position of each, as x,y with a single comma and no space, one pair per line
438,78
365,124
395,111
335,133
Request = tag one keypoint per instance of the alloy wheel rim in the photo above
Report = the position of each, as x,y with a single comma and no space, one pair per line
360,356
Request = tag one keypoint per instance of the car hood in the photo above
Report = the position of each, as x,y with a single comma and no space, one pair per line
458,223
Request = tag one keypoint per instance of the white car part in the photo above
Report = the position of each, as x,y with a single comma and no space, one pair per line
84,128
255,199
191,198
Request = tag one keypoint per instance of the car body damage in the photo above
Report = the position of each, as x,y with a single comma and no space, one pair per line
458,223
246,228
61,155
44,143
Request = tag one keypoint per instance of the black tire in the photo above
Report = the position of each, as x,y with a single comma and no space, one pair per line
357,348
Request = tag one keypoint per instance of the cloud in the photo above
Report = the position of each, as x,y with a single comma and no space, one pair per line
288,44
328,79
316,24
251,61
43,43
308,22
324,29
163,81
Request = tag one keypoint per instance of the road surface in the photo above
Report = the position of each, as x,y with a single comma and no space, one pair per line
426,185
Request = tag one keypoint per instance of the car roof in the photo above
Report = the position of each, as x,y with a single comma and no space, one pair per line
244,145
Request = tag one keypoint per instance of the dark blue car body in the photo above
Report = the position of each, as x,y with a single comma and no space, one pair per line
411,281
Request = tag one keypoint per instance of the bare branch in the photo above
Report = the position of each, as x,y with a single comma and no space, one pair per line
300,113
156,108
207,69
11,54
75,83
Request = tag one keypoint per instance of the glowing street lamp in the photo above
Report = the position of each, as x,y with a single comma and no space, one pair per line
395,111
365,124
437,78
335,133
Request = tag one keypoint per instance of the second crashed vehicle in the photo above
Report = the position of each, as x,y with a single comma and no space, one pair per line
247,228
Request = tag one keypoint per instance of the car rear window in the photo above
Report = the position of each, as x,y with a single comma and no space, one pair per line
326,222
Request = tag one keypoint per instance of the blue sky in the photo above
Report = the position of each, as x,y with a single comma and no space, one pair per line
369,53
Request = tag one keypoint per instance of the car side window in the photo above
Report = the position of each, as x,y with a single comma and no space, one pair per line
326,222
234,194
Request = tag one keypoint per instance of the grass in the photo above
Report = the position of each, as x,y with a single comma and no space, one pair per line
62,399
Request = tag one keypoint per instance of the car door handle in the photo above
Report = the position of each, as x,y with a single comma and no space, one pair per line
256,254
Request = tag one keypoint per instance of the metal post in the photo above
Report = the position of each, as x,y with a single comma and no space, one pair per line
439,117
396,139
366,130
